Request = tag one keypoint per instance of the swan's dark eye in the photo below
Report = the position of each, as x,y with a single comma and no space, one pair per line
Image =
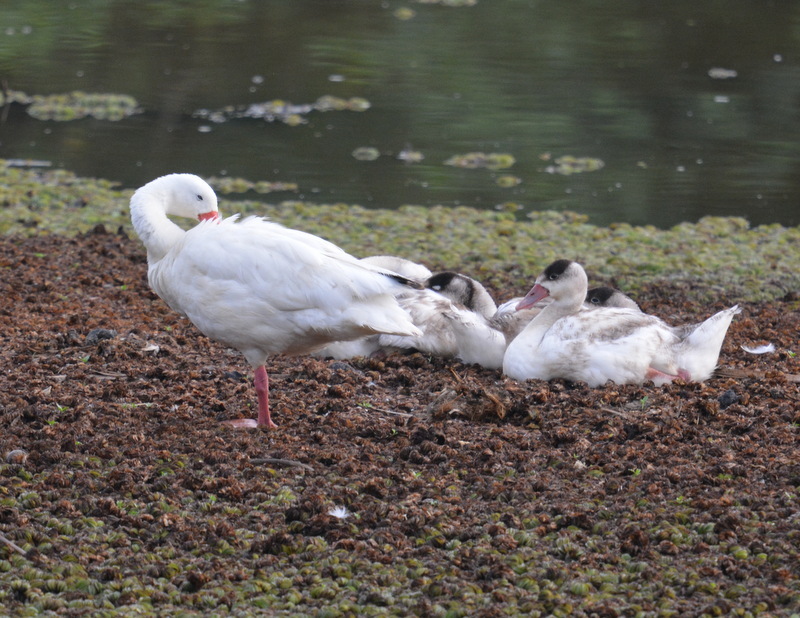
199,198
553,277
595,300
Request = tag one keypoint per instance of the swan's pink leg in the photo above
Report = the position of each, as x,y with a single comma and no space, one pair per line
261,381
659,377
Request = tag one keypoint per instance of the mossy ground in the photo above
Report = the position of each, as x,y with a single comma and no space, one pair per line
468,494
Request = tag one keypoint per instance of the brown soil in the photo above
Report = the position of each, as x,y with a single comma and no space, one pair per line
468,493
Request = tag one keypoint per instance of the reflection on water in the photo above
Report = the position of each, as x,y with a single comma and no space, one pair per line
692,107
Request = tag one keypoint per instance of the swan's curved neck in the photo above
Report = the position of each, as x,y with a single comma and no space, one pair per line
149,218
548,316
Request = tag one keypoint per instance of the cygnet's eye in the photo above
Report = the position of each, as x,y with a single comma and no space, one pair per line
553,277
594,300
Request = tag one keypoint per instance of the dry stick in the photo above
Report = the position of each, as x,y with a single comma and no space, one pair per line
442,399
287,463
385,411
12,545
107,375
456,376
624,415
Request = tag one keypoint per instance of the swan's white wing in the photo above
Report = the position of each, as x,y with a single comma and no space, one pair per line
259,285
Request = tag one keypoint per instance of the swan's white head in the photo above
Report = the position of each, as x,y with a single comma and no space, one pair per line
183,195
186,195
563,280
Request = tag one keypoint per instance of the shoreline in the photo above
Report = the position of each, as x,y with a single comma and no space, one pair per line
716,258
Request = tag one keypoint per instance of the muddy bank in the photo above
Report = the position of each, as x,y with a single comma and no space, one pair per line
395,486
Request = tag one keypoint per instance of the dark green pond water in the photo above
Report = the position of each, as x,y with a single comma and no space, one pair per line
692,107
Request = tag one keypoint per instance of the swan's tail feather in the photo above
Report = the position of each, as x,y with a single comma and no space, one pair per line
701,346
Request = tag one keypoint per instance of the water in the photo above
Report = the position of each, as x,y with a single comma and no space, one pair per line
624,82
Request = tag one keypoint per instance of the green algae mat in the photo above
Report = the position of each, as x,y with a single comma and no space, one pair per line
715,258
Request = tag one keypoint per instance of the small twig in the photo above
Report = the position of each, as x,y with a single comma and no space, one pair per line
286,463
12,545
107,375
385,411
456,376
624,415
443,402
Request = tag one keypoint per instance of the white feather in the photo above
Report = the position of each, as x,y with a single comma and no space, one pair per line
761,349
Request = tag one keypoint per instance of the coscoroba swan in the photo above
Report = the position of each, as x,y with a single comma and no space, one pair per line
370,345
567,340
605,296
449,299
402,266
484,341
255,285
466,291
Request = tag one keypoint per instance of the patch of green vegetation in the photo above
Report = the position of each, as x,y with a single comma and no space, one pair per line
75,105
568,165
507,181
474,160
227,184
717,258
366,153
292,114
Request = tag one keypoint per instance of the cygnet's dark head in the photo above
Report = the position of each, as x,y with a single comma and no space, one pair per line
605,296
464,291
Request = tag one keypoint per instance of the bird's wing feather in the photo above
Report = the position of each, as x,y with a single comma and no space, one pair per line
288,269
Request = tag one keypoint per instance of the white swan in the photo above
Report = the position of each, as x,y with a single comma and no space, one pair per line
369,345
484,341
605,296
255,285
402,266
464,291
477,332
567,340
450,299
435,316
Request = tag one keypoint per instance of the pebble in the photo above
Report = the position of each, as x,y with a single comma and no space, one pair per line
728,398
98,334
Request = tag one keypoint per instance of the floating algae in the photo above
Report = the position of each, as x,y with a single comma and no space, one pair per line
568,165
287,112
74,105
410,156
366,153
475,160
242,185
507,181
